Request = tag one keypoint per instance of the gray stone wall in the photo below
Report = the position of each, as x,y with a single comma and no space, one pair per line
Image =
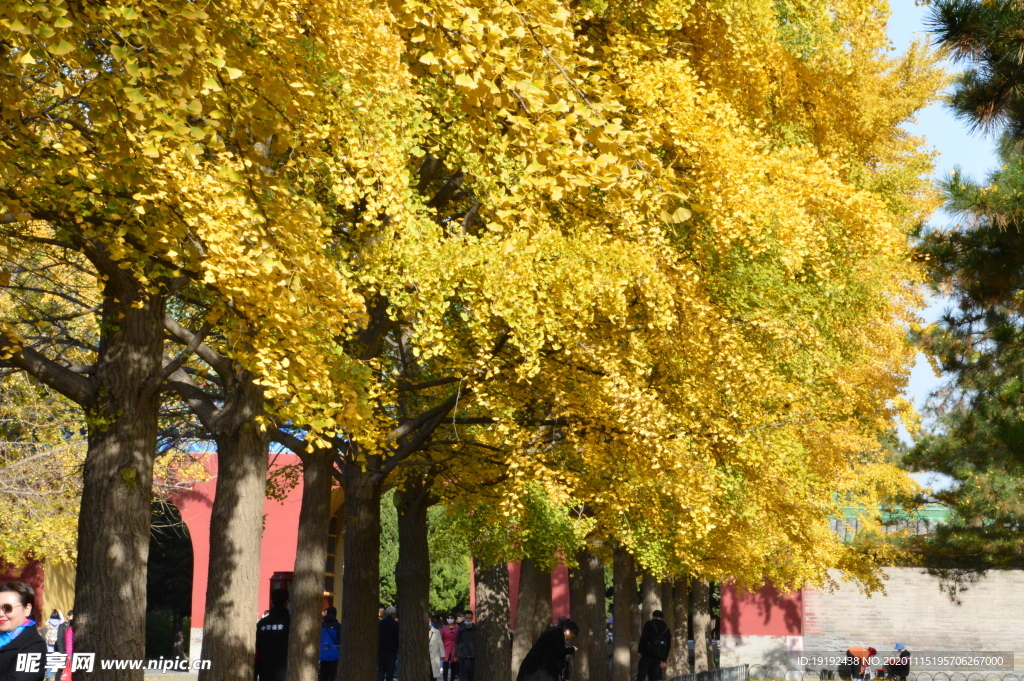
916,611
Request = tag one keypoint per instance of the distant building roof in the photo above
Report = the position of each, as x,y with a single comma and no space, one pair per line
921,520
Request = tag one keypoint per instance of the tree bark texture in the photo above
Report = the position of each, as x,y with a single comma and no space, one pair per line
306,595
412,577
702,655
587,605
679,659
666,605
114,518
494,651
236,528
360,577
650,590
624,612
533,609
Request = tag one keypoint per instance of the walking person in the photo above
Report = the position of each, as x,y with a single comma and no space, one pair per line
18,633
465,647
548,658
435,648
387,646
272,639
330,638
450,667
655,646
52,625
50,636
66,646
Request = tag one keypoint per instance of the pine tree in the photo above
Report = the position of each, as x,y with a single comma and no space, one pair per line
978,438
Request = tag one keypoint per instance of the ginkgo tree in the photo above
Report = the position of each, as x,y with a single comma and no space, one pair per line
658,226
167,145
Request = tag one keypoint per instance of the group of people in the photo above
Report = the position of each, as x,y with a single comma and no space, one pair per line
856,665
452,646
451,642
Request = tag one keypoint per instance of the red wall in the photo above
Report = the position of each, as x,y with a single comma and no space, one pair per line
765,612
277,552
559,592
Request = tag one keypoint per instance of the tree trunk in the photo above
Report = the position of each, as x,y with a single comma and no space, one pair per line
624,612
533,609
236,528
666,605
306,596
679,660
114,517
651,597
412,577
588,609
494,651
360,576
702,660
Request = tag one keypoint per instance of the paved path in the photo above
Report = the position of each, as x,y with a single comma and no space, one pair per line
171,676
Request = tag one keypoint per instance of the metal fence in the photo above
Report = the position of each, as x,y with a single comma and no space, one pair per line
740,673
779,673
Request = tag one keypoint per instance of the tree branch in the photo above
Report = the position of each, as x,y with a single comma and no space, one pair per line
177,362
76,388
220,364
428,384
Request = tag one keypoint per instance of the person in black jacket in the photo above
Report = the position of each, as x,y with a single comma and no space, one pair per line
546,660
898,666
387,646
18,635
272,639
655,645
465,647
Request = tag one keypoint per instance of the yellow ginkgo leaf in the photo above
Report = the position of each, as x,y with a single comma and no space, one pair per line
61,48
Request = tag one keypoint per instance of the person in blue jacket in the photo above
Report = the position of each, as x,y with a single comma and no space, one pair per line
330,639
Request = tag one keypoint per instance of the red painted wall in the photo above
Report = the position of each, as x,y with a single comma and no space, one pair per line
559,592
765,612
277,551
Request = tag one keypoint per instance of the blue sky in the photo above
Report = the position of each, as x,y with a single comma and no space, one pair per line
973,153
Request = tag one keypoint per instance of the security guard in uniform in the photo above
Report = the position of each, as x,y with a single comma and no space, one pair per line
272,639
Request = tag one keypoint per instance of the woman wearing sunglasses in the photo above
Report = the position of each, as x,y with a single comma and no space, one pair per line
18,634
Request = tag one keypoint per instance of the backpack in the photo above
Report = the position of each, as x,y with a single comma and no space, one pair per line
329,644
661,644
51,633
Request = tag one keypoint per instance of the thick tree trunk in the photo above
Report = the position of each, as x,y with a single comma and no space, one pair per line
533,609
307,591
494,651
702,660
360,576
665,593
625,615
650,597
679,660
587,604
412,577
114,518
236,528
